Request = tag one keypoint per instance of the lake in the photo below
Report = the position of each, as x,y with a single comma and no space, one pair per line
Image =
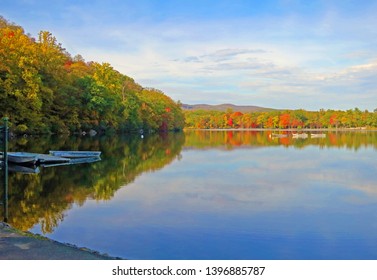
206,195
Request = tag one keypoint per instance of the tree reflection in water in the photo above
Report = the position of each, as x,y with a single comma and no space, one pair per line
44,197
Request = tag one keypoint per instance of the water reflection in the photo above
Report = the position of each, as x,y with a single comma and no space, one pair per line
43,197
233,139
275,197
4,190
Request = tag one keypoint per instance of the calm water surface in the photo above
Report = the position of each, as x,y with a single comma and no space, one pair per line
207,195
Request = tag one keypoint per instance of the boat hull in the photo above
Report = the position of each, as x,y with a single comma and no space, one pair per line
22,158
76,154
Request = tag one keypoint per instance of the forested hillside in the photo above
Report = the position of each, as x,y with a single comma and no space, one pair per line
282,119
43,89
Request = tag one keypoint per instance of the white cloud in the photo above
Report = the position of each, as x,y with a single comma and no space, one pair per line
314,62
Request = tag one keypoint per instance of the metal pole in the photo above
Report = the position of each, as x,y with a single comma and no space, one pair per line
5,168
5,120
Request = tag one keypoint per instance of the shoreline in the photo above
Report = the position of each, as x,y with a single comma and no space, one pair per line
20,245
356,129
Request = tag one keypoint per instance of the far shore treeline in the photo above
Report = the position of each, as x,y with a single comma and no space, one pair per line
43,89
282,119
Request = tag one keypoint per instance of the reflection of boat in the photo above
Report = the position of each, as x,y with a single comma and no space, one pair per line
23,169
300,135
317,135
76,154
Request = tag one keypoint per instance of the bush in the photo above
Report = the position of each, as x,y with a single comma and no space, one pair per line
21,128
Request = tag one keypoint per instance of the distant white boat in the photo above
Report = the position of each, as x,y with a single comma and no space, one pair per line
300,135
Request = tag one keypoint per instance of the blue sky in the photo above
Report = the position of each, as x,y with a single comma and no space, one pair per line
280,54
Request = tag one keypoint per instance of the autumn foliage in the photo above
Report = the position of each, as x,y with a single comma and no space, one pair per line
287,119
43,89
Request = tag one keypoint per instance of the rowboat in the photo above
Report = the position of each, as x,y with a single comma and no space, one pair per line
76,154
55,157
42,158
25,158
22,158
73,161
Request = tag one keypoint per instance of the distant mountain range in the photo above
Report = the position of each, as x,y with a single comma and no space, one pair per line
224,107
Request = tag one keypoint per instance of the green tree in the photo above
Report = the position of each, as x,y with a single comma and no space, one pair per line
20,83
43,89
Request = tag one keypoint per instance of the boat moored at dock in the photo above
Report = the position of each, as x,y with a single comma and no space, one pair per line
55,157
22,158
76,154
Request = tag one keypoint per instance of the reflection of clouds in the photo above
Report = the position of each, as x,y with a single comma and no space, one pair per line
242,182
251,181
270,198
